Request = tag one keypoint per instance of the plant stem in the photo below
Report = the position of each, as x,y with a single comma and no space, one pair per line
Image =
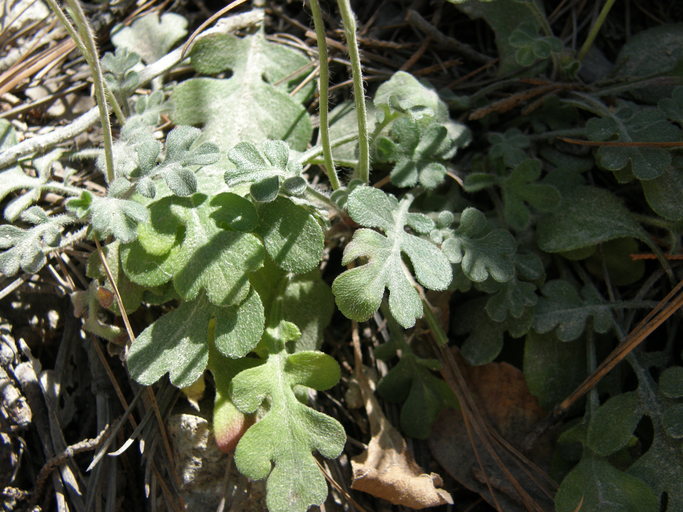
349,21
593,33
324,88
434,326
84,39
312,153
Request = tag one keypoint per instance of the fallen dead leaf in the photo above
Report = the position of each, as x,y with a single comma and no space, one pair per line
386,469
502,393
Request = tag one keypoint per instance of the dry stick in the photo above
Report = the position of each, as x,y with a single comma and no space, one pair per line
664,309
442,40
624,144
453,376
54,462
131,335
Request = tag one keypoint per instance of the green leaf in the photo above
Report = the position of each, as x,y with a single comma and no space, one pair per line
405,93
151,36
279,447
655,50
663,194
268,167
359,291
673,106
480,250
206,256
520,188
304,300
552,368
118,71
662,468
594,485
110,215
509,147
24,249
611,426
291,235
178,342
561,308
412,383
486,336
631,123
419,152
530,45
247,107
503,17
671,382
587,216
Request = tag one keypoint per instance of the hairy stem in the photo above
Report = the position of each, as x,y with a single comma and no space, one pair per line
593,33
323,89
349,21
83,37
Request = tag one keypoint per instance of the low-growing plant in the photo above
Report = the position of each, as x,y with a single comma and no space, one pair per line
219,221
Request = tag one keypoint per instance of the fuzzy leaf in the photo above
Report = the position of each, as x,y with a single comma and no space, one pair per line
359,291
423,395
291,235
594,485
486,336
520,188
530,46
586,217
305,300
663,194
268,167
177,168
151,36
509,147
418,150
279,447
405,93
633,123
246,107
201,255
671,382
552,368
177,343
480,250
561,308
110,215
118,71
612,425
24,249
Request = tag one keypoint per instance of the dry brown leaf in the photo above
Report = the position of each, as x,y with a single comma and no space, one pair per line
387,470
502,393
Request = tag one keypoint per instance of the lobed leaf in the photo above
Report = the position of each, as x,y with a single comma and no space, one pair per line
562,308
418,151
24,249
634,124
178,342
279,447
151,36
359,291
195,252
594,485
481,251
247,107
267,167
